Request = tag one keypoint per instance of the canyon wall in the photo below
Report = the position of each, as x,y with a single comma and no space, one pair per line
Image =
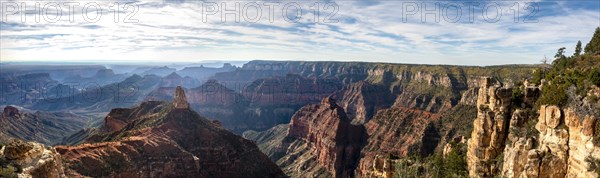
513,140
334,141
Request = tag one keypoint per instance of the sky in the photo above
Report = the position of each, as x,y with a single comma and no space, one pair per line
422,32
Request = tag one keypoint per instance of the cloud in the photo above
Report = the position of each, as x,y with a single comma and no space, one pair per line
376,31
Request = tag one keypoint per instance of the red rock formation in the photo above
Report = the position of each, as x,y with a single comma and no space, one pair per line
397,132
162,140
361,100
115,119
212,100
139,156
334,141
180,100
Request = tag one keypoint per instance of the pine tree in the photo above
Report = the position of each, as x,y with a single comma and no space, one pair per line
578,49
560,53
593,47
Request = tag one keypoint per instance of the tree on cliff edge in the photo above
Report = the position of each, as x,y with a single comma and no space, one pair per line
577,49
593,47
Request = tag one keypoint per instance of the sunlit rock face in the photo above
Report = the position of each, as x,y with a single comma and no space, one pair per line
547,141
489,128
180,101
563,148
333,141
34,159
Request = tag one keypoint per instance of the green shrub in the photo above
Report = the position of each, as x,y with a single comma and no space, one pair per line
455,164
517,95
594,76
554,94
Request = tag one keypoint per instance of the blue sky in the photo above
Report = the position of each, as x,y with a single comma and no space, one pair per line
374,31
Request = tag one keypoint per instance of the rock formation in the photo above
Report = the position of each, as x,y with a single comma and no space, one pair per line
11,112
395,133
558,142
490,129
334,141
361,100
563,148
320,141
179,99
33,159
160,139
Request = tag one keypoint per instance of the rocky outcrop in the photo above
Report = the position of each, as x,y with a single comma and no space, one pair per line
140,156
212,100
361,100
11,111
490,129
320,141
557,142
562,147
33,159
116,119
162,139
332,139
583,153
180,100
395,133
552,151
469,97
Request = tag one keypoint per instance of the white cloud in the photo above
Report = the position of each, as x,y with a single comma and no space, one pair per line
176,32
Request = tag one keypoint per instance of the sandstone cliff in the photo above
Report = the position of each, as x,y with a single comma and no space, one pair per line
334,141
525,141
320,141
394,133
489,128
433,88
562,147
362,100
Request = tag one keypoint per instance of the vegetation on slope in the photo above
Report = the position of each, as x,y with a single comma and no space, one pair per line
453,164
579,71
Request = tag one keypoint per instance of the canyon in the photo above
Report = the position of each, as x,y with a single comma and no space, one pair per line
313,119
156,138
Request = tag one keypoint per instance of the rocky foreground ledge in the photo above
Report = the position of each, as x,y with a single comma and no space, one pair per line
30,159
